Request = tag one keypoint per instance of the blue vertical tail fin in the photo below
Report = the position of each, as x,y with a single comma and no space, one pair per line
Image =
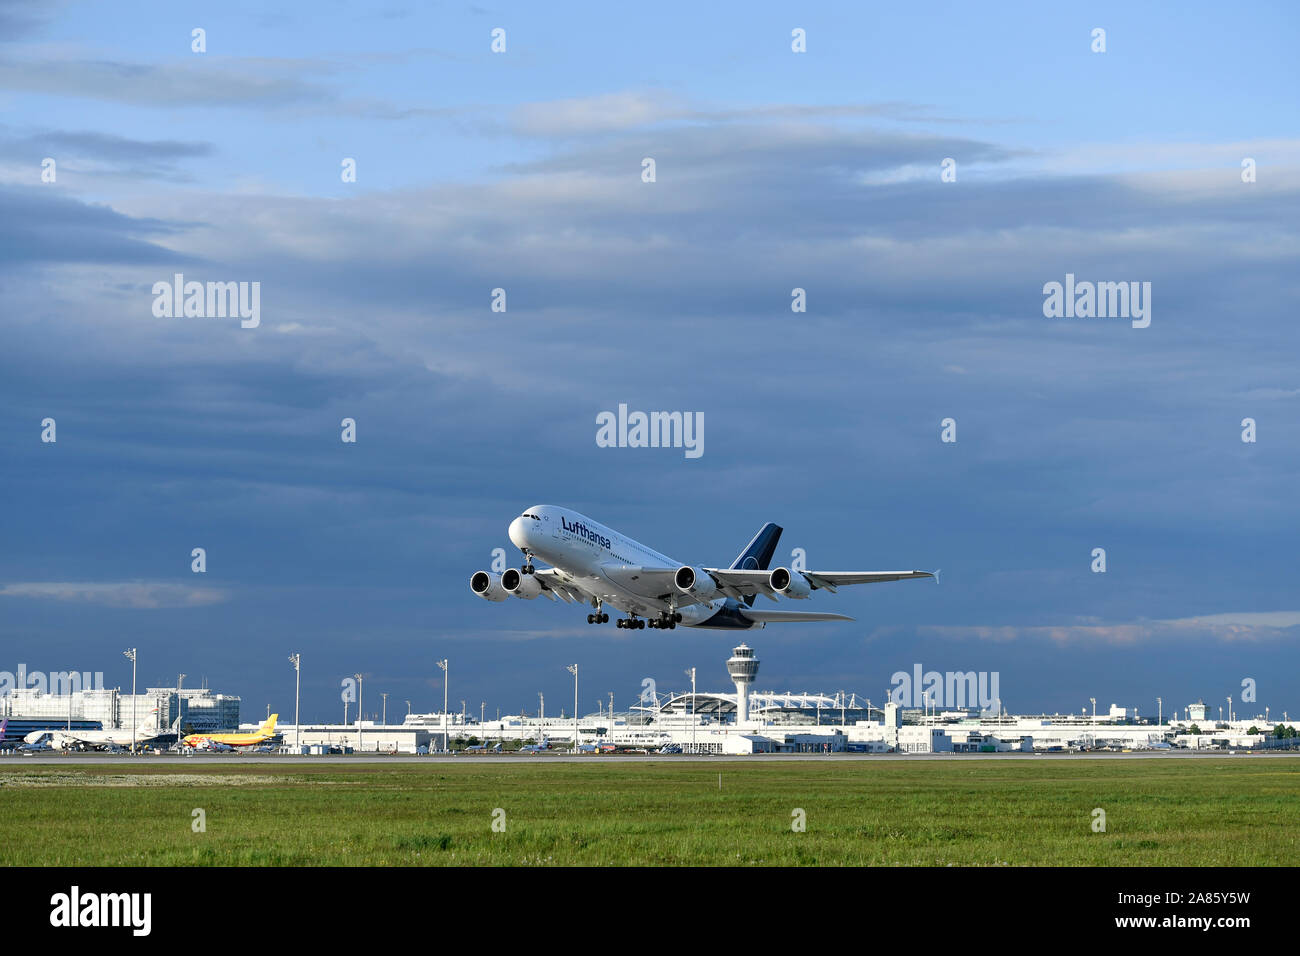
758,553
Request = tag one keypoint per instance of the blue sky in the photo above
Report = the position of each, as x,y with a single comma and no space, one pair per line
775,170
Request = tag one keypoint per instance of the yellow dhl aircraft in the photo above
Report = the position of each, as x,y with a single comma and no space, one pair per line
263,733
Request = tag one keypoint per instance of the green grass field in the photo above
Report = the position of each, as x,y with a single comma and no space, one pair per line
1197,812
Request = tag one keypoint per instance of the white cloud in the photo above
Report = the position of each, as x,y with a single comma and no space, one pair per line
122,594
1239,626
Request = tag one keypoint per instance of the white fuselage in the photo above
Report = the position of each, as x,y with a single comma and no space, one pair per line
60,739
585,549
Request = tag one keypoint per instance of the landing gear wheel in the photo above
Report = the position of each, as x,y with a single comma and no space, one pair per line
591,619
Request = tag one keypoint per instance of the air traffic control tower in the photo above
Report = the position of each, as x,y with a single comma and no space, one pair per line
742,665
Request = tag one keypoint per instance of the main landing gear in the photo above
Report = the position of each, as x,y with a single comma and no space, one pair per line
667,622
600,617
634,623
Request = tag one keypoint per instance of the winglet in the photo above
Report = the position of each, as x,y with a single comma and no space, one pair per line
935,574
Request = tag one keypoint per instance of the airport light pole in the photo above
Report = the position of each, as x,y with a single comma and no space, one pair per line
296,660
129,654
359,714
691,672
1094,709
180,679
446,744
482,719
1160,711
384,719
1229,710
573,669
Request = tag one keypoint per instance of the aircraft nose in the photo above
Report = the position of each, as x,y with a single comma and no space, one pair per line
519,532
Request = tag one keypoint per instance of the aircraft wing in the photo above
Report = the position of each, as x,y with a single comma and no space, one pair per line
654,582
738,584
742,583
556,582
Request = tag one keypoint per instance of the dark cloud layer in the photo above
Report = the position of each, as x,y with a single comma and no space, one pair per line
924,302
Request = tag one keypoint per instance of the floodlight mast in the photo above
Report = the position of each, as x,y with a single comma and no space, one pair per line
446,743
129,654
296,660
573,669
180,679
691,674
360,715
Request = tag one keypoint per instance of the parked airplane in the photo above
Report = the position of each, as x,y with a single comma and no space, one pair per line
595,564
107,739
215,741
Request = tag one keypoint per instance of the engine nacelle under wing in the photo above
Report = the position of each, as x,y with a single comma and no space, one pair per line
524,586
488,586
696,582
790,584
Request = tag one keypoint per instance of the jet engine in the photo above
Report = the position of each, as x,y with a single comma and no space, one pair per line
696,582
789,583
524,586
488,586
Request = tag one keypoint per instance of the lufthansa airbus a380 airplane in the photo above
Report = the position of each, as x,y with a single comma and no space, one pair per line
595,565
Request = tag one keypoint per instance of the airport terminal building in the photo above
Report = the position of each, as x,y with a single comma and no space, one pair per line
110,709
742,721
